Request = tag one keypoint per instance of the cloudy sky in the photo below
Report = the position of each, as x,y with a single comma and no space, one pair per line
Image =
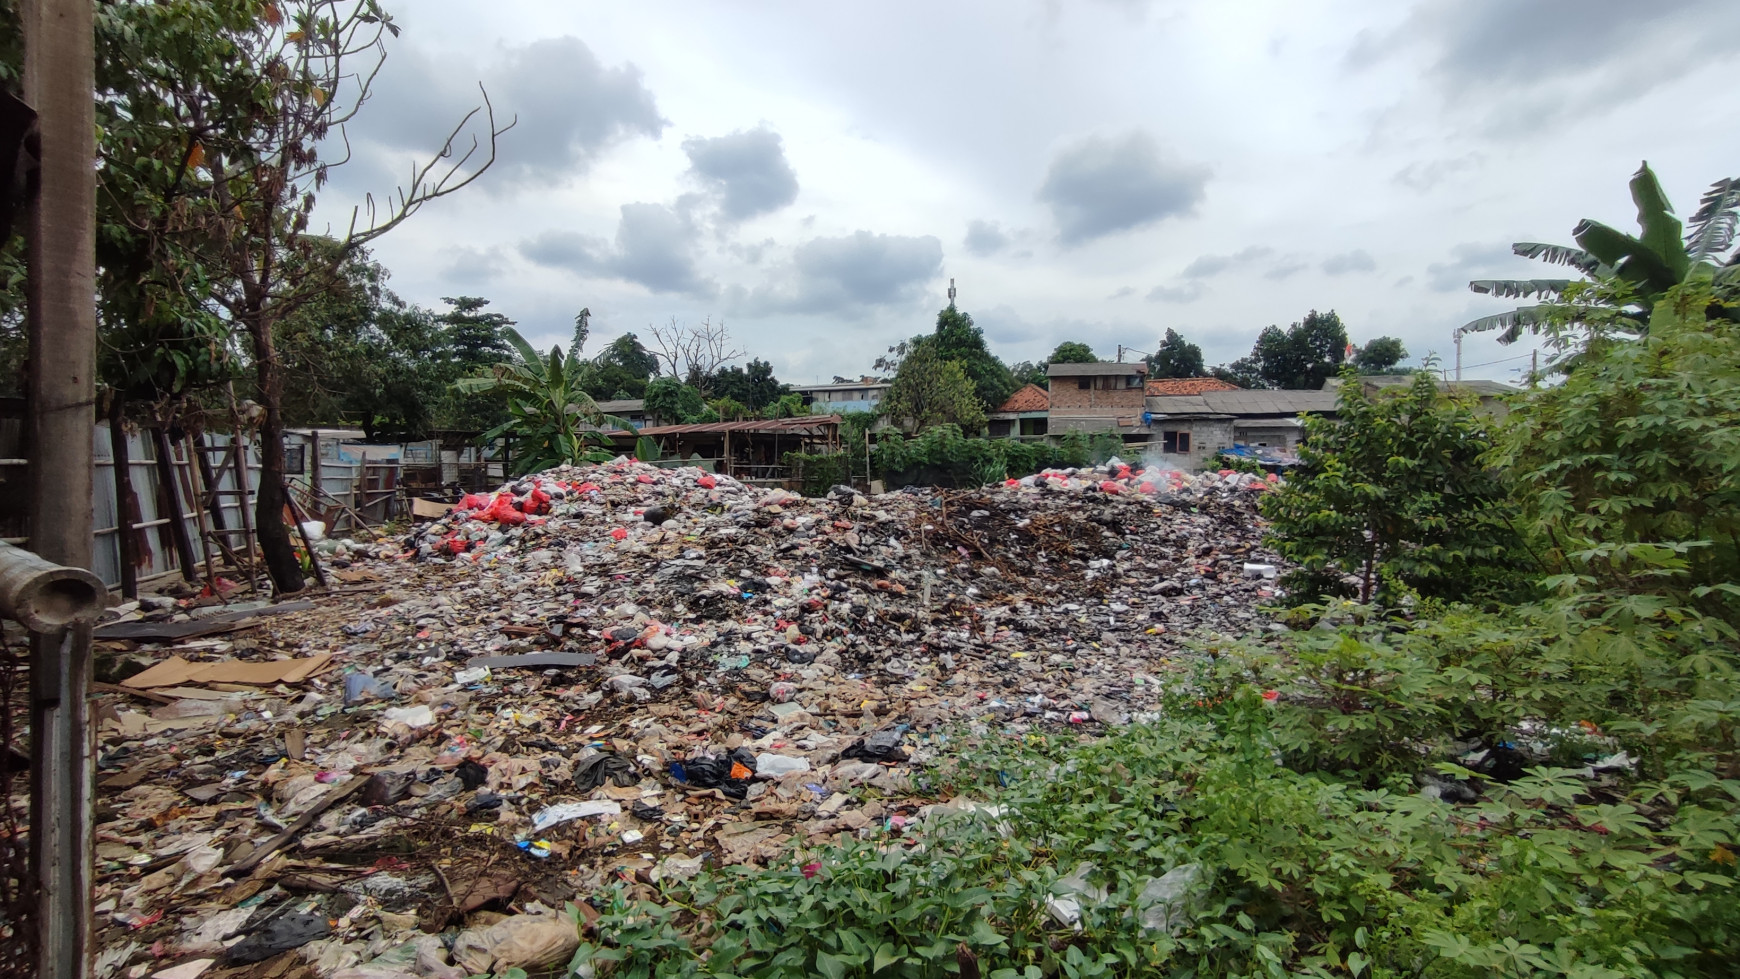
814,174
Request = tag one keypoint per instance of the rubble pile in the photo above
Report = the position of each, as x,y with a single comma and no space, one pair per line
622,672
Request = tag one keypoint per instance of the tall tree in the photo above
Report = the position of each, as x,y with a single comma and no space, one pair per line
693,354
753,385
1302,356
359,354
1380,355
930,390
1072,352
253,92
621,369
1028,372
958,340
1176,357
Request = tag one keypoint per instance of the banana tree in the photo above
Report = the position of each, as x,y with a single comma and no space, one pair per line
546,407
1623,275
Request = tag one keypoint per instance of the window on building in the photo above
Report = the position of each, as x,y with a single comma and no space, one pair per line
1133,381
1175,442
1085,383
295,459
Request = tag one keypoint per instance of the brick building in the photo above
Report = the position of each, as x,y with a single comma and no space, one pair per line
1098,397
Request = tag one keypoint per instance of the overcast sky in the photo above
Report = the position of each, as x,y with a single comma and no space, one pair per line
814,174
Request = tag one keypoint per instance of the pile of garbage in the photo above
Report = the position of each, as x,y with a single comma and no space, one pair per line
620,673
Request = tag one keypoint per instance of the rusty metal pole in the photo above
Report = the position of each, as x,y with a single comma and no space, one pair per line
62,322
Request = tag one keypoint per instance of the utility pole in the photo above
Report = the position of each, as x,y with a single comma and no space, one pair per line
62,322
1534,367
1458,336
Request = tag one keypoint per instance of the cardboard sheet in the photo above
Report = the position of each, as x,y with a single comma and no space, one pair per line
175,671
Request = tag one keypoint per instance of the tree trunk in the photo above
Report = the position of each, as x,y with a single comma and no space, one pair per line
126,503
274,536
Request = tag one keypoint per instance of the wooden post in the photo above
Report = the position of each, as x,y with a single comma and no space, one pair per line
172,501
126,504
314,468
62,326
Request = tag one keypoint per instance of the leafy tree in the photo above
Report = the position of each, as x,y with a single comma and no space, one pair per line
753,385
791,405
1300,357
1629,471
674,403
1243,372
1391,498
1380,355
545,403
1072,352
1625,276
220,109
958,340
359,353
730,409
1177,357
1028,372
621,369
931,390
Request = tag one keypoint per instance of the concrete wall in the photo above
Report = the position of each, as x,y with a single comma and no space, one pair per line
1207,437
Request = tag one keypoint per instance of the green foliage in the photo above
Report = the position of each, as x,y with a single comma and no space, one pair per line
1072,352
753,385
1292,829
1380,355
1393,496
1625,276
1629,471
620,370
1027,372
1177,357
545,403
959,341
1300,357
942,456
788,405
357,354
931,390
674,403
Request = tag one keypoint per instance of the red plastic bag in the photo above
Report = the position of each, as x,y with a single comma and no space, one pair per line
620,533
472,501
707,482
1110,487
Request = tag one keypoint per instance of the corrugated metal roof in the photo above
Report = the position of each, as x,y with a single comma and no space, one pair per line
620,406
1095,370
1244,402
763,426
1178,404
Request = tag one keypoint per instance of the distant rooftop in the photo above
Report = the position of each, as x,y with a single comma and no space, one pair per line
1031,397
1188,385
1094,370
1480,388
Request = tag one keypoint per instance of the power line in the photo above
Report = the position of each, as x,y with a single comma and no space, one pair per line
1492,362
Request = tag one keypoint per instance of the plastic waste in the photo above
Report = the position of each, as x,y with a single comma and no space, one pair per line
521,942
882,746
412,717
774,766
1163,901
359,687
280,934
570,811
597,770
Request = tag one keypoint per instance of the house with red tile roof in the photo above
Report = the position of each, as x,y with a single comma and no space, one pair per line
1026,414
